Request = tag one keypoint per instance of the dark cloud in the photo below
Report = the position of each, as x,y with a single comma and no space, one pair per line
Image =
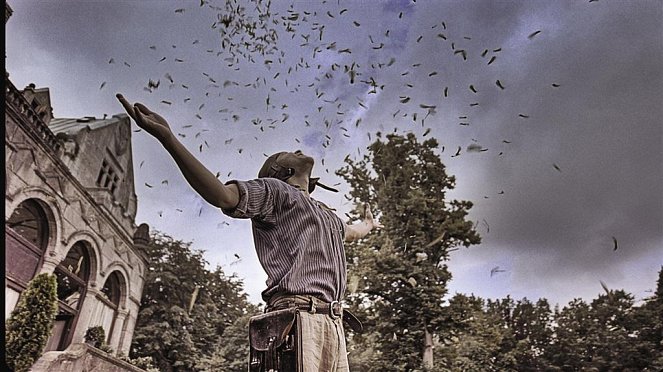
550,228
602,128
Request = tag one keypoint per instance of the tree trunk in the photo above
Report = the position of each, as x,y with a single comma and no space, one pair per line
428,349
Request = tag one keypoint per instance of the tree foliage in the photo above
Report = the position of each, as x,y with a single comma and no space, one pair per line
608,334
185,308
30,324
231,353
397,275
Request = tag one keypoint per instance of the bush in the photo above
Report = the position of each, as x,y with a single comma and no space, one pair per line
31,323
146,363
95,336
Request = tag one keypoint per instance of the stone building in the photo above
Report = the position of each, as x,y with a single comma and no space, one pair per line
70,209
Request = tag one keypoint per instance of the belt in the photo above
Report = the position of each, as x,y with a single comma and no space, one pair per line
333,309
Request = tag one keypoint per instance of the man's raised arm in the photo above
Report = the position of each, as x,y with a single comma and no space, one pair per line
199,177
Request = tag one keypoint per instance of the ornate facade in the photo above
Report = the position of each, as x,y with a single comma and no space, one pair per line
70,207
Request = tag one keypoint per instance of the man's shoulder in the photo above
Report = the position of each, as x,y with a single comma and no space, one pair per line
272,184
275,183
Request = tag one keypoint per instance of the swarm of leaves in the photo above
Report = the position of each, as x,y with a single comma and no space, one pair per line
246,27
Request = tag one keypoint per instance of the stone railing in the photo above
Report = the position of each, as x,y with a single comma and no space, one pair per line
81,357
15,99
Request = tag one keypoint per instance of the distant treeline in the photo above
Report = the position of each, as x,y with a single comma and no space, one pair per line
609,333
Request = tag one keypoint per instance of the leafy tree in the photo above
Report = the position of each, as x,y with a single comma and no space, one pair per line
185,308
231,353
472,340
647,327
399,273
31,322
532,331
569,348
362,355
608,334
527,331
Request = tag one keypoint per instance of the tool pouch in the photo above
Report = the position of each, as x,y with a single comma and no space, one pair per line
275,343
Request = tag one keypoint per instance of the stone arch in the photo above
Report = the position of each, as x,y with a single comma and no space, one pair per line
51,208
92,244
73,272
125,287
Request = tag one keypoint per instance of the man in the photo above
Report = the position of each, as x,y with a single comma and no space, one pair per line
299,240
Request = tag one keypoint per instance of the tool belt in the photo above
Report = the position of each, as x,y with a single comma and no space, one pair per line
275,338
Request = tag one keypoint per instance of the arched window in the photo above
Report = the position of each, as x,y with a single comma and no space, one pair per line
72,275
29,221
112,292
112,289
26,240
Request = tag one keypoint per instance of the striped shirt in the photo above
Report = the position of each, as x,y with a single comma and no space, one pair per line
299,240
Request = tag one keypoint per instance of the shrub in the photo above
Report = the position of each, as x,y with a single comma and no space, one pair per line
31,323
95,336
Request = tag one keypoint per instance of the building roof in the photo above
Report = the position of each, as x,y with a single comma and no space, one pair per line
71,126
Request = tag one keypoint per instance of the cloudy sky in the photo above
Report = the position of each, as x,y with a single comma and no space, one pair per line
573,137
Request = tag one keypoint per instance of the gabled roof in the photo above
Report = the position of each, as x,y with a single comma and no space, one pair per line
72,126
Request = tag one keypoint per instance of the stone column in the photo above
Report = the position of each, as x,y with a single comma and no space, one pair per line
127,333
86,315
49,264
118,327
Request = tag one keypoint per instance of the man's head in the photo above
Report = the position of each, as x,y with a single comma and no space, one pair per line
284,165
292,167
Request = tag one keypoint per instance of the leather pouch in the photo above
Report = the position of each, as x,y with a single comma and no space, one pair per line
274,341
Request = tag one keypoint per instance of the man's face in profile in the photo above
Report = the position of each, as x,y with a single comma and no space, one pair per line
297,160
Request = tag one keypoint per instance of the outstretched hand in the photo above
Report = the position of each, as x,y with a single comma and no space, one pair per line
368,217
152,122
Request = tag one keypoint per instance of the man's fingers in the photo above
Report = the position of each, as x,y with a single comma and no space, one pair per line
138,116
367,211
143,108
127,106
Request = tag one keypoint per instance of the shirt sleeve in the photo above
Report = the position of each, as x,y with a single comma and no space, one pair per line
257,200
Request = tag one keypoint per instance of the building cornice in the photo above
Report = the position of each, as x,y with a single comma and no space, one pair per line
15,99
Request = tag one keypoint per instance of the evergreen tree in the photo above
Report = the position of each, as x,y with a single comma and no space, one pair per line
398,274
30,324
